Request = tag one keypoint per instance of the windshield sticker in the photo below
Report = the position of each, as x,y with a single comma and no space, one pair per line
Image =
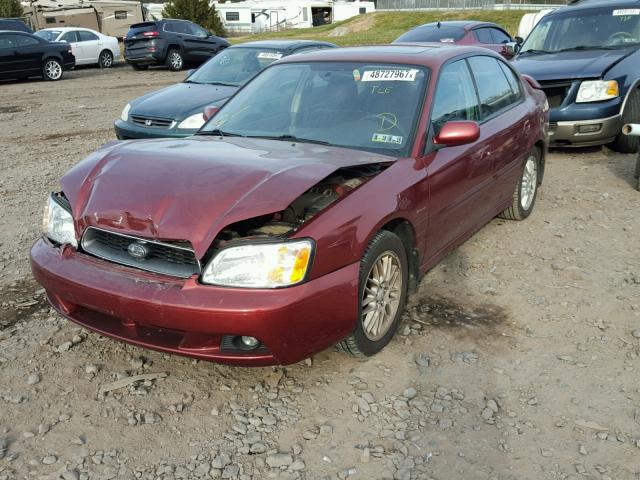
356,75
270,55
378,90
383,138
626,11
390,75
387,121
224,60
447,40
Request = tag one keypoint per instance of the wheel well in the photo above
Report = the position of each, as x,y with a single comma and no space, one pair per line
173,46
404,230
540,146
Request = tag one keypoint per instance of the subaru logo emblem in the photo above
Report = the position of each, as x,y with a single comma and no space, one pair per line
138,250
148,122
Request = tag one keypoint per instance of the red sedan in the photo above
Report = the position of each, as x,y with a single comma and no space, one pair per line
303,213
460,32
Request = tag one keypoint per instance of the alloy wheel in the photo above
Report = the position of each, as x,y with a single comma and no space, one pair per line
106,60
176,60
53,70
381,296
529,183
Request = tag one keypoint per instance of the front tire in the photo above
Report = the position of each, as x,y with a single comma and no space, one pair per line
174,60
105,59
52,70
382,295
526,189
631,114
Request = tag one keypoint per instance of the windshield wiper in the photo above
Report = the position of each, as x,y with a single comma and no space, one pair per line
223,84
533,51
216,132
586,47
192,81
291,138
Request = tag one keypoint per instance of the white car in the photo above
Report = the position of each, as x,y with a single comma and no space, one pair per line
88,46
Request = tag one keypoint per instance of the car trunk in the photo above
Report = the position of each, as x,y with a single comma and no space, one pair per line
140,38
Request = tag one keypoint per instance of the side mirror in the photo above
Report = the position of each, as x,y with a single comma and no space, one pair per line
453,134
209,111
519,40
190,72
511,48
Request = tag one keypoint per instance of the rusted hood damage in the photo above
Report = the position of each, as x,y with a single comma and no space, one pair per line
190,190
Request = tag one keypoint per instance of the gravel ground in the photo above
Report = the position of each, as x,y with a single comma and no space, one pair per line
518,357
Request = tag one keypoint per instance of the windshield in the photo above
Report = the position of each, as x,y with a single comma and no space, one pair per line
48,35
356,105
585,29
235,66
432,33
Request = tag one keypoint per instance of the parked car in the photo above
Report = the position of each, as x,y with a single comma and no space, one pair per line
303,212
23,55
176,111
170,42
485,34
15,25
88,46
586,56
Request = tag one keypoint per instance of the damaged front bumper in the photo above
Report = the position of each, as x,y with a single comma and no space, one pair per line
187,318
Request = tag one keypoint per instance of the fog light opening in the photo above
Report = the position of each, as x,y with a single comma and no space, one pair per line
250,342
591,128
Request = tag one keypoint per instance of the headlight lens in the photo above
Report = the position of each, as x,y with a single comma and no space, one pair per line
192,122
269,265
57,224
124,116
597,90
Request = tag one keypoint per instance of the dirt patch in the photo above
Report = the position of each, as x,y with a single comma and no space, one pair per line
11,109
446,313
81,133
19,300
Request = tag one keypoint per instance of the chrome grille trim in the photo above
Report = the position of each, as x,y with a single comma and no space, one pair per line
164,258
152,122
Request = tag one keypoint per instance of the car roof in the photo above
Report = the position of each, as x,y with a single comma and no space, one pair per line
464,24
282,44
68,29
588,4
22,32
420,54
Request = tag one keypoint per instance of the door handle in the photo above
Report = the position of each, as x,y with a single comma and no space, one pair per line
527,125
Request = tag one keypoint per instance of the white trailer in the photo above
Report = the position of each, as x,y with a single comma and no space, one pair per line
254,16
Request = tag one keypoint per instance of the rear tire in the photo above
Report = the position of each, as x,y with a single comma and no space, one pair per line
105,59
526,189
139,68
631,114
52,69
382,295
174,60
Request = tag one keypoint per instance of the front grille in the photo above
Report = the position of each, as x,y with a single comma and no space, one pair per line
175,259
556,92
152,122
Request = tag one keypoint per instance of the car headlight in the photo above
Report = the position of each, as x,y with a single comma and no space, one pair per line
597,90
267,265
124,116
57,223
193,122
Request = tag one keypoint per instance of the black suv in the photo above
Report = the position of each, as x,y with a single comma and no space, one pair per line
15,25
586,56
173,43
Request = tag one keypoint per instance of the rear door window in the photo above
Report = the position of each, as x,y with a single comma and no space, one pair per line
494,88
484,36
455,97
86,36
499,36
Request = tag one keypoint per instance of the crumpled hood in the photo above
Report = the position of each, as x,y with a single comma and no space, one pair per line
180,100
569,65
190,189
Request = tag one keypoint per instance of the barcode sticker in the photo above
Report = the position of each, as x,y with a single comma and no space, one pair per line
389,75
626,11
270,55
